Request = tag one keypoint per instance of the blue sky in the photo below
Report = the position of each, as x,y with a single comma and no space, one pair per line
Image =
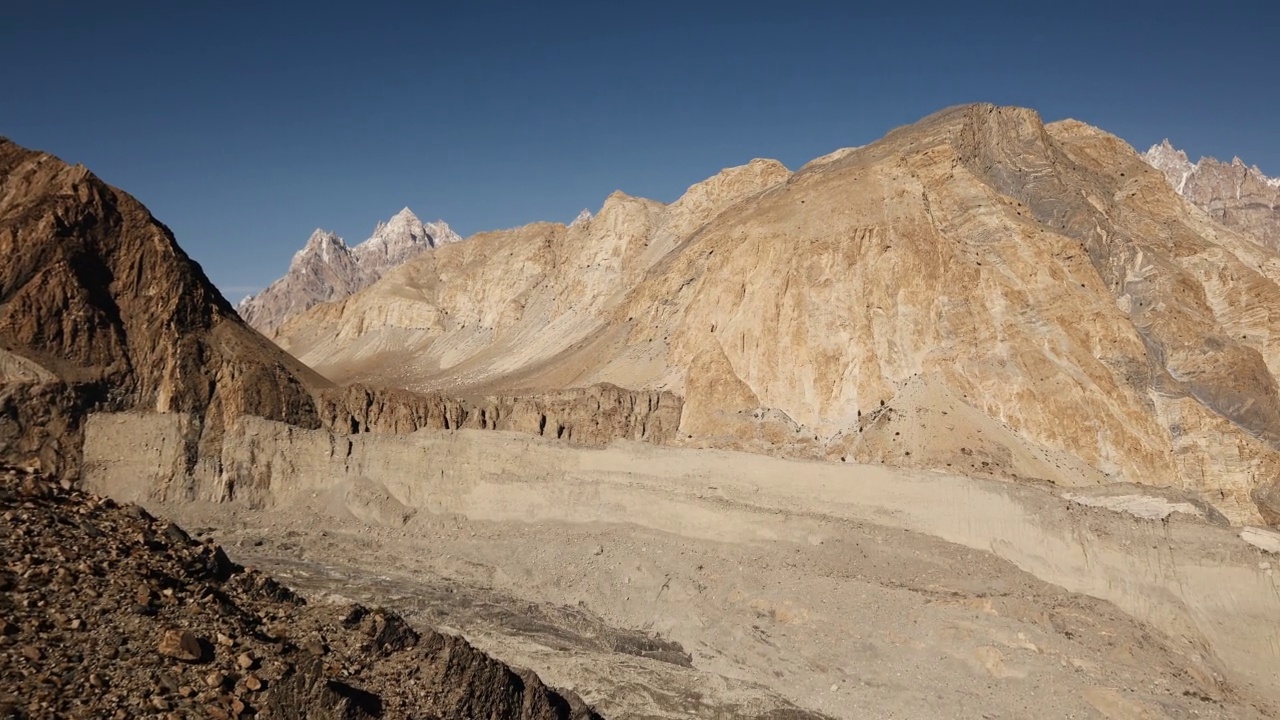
245,125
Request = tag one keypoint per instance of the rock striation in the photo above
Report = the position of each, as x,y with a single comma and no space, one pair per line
325,269
1236,195
979,291
101,310
107,611
595,415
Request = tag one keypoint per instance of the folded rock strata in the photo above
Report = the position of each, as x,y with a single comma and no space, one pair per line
978,291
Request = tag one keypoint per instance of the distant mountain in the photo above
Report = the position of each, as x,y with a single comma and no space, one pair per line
1236,195
325,269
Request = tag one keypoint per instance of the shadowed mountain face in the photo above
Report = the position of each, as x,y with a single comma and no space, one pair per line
100,309
979,292
1236,195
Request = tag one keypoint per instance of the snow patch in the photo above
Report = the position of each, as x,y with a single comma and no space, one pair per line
1146,507
1267,540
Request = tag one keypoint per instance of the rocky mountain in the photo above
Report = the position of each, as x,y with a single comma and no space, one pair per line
89,583
1236,195
325,269
979,292
101,310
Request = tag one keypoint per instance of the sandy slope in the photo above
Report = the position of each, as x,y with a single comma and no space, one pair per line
854,591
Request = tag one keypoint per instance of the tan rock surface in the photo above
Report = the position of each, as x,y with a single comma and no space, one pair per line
594,415
1083,322
100,309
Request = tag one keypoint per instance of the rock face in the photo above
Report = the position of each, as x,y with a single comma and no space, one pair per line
107,609
977,291
100,310
595,415
1236,195
325,269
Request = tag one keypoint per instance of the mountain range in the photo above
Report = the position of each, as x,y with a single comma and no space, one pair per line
1237,195
326,269
978,296
979,292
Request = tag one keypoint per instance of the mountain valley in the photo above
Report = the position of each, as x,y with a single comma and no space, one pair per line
980,420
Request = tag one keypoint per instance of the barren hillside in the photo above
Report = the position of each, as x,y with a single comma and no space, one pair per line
979,291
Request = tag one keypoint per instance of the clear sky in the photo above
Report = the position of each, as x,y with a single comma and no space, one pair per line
245,125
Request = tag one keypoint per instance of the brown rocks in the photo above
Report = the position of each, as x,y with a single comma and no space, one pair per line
182,645
132,665
587,416
1234,194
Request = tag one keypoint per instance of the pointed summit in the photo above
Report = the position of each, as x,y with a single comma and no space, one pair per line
1175,165
322,244
327,269
583,217
1236,194
405,215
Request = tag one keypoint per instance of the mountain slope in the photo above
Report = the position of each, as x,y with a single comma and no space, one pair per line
100,310
978,292
1236,195
325,269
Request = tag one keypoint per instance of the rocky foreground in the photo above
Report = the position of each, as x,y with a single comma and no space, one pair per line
108,612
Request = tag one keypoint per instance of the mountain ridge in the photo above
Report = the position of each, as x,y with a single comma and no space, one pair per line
949,264
1237,195
327,269
100,310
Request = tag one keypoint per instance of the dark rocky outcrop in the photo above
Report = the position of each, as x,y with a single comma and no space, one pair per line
107,611
101,310
594,415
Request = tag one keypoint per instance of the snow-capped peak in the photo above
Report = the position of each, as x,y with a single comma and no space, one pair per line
326,268
1172,162
322,243
583,217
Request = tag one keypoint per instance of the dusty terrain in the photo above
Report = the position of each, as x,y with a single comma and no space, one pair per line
662,583
109,612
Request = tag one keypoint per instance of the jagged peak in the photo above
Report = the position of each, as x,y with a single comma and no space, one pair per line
320,236
582,218
405,215
1165,149
441,233
323,243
